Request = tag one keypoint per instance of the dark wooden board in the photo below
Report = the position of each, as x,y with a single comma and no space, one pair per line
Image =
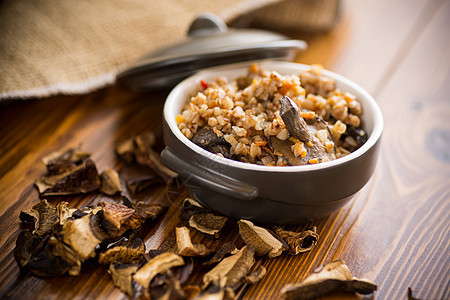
396,230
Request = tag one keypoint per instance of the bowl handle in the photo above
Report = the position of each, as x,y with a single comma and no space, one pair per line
197,175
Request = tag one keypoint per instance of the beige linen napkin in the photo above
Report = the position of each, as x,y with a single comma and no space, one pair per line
52,47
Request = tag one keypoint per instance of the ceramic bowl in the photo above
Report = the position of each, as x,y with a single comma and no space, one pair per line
266,194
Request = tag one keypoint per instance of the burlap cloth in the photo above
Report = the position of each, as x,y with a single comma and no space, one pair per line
49,47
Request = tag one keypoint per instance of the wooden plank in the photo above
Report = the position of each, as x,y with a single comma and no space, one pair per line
395,232
369,39
97,121
412,188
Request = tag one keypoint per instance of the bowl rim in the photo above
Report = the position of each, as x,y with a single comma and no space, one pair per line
180,89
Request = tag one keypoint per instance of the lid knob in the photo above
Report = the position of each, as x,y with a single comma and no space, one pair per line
205,24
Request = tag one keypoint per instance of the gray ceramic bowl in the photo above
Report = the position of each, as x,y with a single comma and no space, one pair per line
281,195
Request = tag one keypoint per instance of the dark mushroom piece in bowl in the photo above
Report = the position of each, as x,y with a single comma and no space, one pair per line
273,194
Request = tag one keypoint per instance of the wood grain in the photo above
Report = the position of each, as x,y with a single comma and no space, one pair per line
396,230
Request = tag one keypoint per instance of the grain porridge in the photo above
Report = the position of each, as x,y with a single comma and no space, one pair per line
275,120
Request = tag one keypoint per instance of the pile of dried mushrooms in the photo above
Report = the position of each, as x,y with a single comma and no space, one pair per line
58,240
62,238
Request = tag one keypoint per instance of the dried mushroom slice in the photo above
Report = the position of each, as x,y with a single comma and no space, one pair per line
214,291
334,276
208,140
223,150
208,223
122,276
256,275
60,249
45,256
110,182
116,214
45,264
124,252
159,264
260,238
74,155
292,118
234,268
145,155
27,246
125,150
114,220
314,153
32,252
43,215
64,212
83,178
217,292
104,230
84,211
311,140
186,247
143,144
63,162
226,249
169,284
298,241
148,210
171,281
140,149
141,183
182,273
79,236
143,210
191,207
134,222
170,289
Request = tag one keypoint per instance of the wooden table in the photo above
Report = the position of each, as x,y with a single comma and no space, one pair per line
395,232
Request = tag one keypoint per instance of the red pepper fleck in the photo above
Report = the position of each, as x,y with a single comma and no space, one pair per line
203,84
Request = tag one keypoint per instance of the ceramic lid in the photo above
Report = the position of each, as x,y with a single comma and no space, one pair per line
209,43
